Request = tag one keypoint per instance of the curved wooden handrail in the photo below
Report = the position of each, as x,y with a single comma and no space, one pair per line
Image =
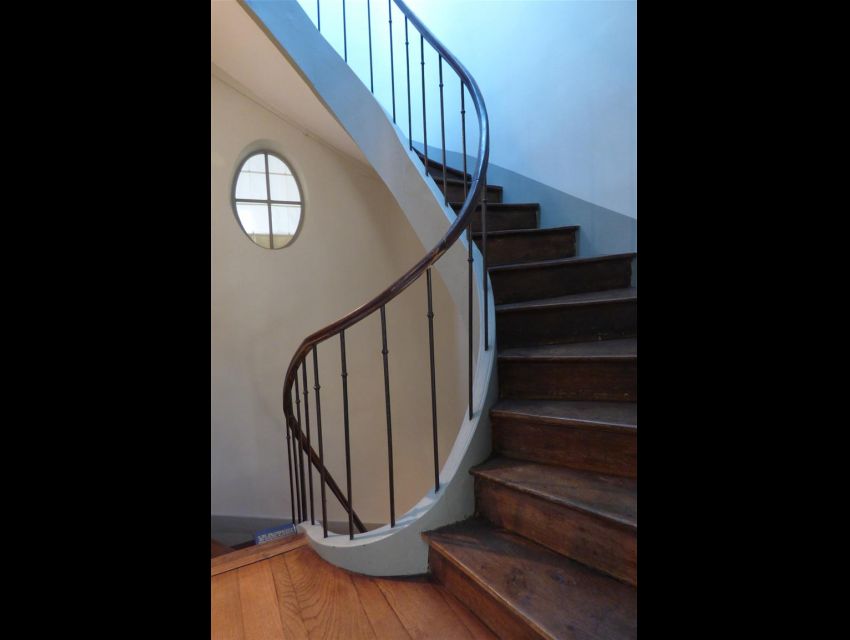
449,238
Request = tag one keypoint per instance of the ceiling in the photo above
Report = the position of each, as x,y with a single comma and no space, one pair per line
243,55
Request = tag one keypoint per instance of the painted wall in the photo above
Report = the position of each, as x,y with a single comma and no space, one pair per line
559,78
354,241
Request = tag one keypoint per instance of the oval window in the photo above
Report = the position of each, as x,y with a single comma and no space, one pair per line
267,200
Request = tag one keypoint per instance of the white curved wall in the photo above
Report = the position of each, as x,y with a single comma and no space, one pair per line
354,241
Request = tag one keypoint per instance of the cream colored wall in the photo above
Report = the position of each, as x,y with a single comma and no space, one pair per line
354,242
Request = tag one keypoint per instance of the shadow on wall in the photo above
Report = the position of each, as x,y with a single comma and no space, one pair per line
602,232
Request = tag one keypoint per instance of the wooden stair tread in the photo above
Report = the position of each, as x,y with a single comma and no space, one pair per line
592,297
557,262
609,497
522,232
556,596
622,348
610,415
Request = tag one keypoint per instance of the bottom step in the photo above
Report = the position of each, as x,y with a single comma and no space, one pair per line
522,590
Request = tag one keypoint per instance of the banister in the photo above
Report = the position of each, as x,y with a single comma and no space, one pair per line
454,231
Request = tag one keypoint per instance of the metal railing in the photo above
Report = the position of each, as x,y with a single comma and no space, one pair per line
474,190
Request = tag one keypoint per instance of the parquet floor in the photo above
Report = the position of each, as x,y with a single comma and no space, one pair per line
285,590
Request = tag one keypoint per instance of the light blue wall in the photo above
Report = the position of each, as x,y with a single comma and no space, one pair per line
558,76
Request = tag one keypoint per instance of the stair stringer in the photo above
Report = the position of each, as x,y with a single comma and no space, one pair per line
399,550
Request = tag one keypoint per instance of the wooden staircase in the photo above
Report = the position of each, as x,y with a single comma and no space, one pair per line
552,549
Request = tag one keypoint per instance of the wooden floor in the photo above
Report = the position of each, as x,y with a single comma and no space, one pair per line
285,590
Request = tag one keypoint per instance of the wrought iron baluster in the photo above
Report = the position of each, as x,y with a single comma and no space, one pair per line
385,353
469,283
322,469
424,117
433,382
484,255
392,60
303,496
407,58
289,464
344,35
307,428
347,440
443,131
369,22
318,16
463,138
295,461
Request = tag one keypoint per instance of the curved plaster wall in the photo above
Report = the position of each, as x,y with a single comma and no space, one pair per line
353,239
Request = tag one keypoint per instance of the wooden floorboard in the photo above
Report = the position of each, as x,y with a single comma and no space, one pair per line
330,606
226,607
385,622
422,610
260,617
287,601
473,624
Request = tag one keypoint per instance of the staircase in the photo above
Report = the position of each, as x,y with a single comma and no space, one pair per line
552,549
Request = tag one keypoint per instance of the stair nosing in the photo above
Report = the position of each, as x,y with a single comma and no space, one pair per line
530,230
564,502
460,181
587,357
557,262
622,358
558,421
536,205
540,303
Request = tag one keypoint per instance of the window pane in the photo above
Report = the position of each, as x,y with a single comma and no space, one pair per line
256,163
252,179
276,165
285,219
283,186
255,221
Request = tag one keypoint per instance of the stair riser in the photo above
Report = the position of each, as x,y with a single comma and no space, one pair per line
455,192
599,450
562,325
607,380
506,219
437,172
501,621
528,248
605,545
533,284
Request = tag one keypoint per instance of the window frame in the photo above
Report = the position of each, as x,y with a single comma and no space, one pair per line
268,201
